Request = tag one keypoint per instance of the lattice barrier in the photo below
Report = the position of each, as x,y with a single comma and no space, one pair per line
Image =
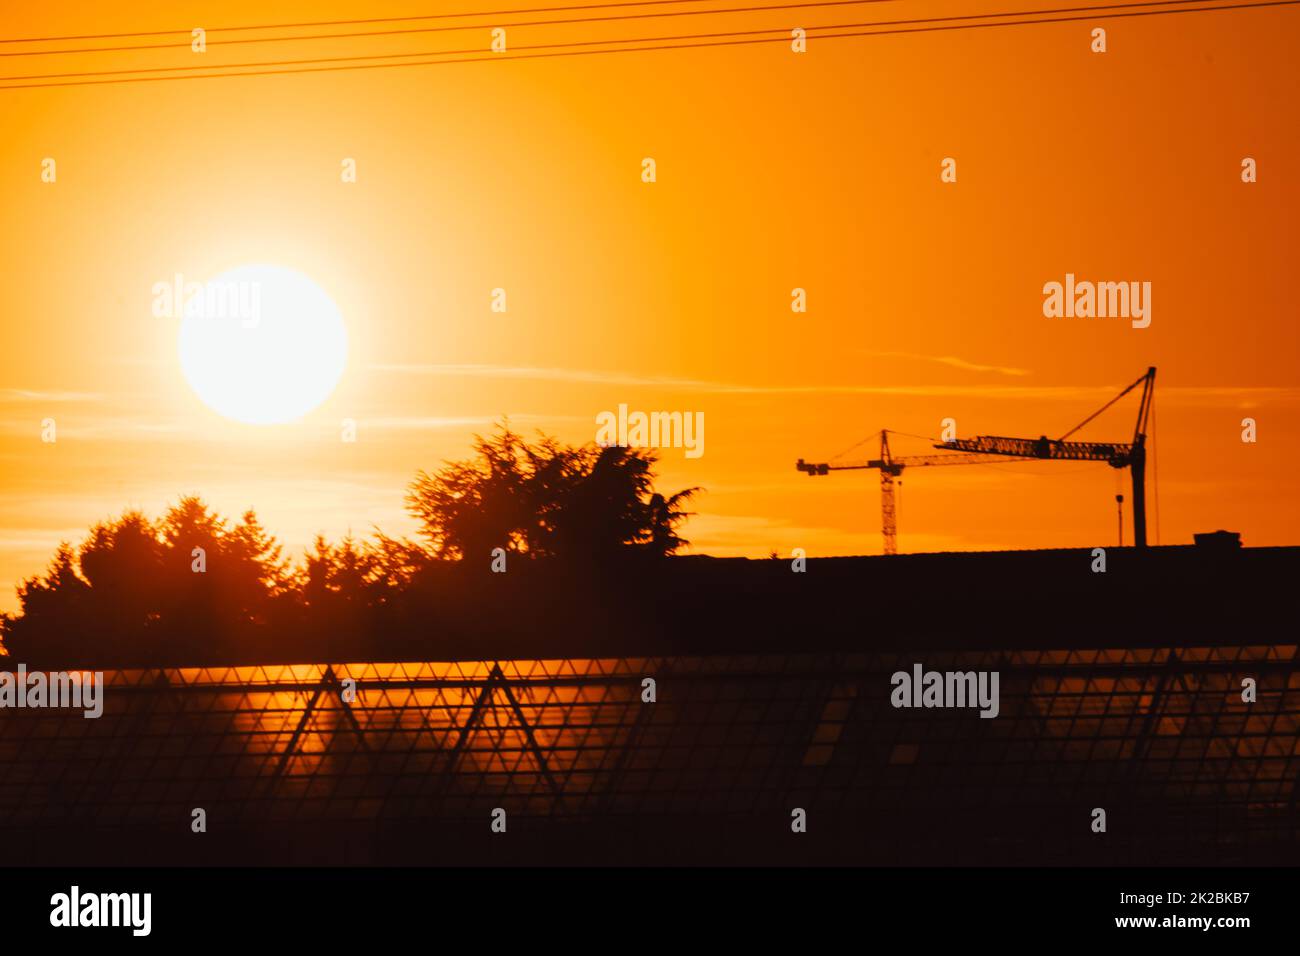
1163,728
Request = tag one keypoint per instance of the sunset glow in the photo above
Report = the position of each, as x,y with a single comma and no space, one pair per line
775,171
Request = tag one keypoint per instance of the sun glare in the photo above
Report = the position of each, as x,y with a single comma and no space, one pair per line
262,344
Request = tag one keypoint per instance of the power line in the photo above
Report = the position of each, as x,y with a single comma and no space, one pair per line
555,52
554,46
583,20
484,26
394,56
348,23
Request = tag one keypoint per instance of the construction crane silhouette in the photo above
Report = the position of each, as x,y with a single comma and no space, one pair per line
891,468
1131,455
986,449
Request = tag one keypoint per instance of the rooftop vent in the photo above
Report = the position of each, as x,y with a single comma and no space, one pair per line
1218,540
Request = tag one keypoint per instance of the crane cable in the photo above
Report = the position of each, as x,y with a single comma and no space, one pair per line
1155,466
925,438
1102,409
856,445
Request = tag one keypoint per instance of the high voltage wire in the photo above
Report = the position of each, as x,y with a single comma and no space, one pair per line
708,39
554,22
482,26
478,49
706,36
698,36
349,23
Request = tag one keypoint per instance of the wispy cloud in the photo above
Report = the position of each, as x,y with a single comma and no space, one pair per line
100,428
625,380
38,539
952,361
580,376
1184,394
29,395
423,422
418,422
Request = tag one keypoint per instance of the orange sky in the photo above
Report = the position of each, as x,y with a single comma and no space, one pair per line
775,171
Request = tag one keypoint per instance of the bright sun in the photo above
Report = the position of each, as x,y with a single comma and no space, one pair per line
262,344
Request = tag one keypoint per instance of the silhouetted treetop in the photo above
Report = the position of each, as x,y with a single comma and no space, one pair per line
194,585
140,583
547,500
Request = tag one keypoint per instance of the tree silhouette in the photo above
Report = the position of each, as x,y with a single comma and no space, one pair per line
194,586
134,588
547,500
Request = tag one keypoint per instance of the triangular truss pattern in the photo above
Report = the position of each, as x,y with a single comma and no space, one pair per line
740,734
483,701
329,685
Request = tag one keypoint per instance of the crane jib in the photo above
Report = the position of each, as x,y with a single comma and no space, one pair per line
1116,454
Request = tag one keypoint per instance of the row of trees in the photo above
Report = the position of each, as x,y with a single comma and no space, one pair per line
191,582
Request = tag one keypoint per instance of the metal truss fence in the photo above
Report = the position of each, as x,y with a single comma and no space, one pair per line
1165,727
